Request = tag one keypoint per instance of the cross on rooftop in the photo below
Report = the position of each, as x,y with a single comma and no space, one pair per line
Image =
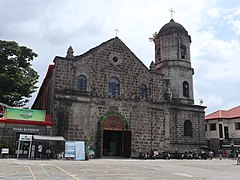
116,31
172,11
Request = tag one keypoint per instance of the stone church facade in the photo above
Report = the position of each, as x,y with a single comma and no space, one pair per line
108,98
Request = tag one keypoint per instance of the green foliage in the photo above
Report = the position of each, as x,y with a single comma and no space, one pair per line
3,144
17,78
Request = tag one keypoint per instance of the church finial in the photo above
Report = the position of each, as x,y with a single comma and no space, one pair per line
116,31
152,66
70,52
172,11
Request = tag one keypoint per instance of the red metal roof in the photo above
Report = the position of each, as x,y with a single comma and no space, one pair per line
44,83
224,114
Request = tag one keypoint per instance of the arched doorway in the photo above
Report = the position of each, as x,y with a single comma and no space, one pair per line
115,140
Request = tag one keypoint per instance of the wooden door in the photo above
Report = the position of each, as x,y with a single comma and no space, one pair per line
127,144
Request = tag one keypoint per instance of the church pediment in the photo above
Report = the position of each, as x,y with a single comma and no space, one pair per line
81,69
113,68
144,77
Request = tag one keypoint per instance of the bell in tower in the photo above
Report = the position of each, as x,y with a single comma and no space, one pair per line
172,58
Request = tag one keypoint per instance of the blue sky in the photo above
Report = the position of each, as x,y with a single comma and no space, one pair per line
50,27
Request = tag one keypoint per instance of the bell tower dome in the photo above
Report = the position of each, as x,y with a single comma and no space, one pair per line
172,58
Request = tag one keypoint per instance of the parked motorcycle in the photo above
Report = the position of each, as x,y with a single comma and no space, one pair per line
211,155
142,155
166,155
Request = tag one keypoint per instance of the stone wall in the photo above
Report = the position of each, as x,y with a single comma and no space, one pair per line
154,122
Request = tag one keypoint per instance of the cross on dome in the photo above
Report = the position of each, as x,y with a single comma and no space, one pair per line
172,11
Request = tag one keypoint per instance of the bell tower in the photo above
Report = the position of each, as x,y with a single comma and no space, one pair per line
172,58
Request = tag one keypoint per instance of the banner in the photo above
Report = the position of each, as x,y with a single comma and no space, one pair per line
80,150
25,114
75,150
70,149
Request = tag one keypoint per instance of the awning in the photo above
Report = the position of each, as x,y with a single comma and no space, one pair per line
48,138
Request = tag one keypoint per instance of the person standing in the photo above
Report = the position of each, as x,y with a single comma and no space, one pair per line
238,158
236,153
48,153
224,153
40,149
220,153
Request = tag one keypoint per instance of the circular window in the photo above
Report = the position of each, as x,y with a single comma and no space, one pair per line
112,122
115,59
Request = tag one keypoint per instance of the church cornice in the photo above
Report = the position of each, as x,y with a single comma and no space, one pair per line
174,63
186,107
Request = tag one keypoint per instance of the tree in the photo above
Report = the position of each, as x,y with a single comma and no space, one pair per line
17,78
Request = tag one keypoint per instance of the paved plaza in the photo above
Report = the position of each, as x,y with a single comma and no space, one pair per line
123,169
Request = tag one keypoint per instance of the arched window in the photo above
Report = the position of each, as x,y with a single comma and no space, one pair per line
187,128
185,89
143,91
82,83
114,87
158,53
183,52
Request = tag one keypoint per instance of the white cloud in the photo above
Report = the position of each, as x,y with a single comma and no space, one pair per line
217,71
214,13
232,17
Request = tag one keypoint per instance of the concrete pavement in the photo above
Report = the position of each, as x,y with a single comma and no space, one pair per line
119,169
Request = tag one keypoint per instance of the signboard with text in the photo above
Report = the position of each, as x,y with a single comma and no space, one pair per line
80,150
25,114
70,149
25,137
75,150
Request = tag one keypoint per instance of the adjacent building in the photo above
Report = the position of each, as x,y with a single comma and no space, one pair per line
16,121
222,129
